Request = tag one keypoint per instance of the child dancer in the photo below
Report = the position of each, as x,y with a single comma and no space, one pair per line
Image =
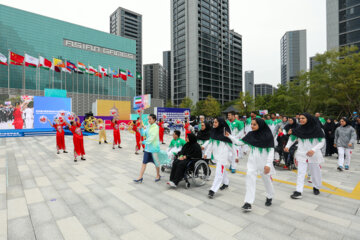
161,131
116,130
260,161
102,131
311,139
138,137
77,139
60,136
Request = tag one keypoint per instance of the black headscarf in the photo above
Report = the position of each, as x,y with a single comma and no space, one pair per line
204,134
191,149
329,127
262,138
348,123
311,129
219,132
291,126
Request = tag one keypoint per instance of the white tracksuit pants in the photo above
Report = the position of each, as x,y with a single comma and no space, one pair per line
220,176
253,167
314,170
344,151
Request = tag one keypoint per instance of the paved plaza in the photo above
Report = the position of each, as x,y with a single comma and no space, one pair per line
44,195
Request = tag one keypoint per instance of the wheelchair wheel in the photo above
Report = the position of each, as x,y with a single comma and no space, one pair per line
201,173
187,185
162,168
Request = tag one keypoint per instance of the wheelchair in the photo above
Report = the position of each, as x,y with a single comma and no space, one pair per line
197,171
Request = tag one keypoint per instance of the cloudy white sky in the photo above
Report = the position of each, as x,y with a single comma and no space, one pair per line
262,23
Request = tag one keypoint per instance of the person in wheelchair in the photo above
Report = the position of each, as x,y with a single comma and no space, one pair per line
175,145
191,150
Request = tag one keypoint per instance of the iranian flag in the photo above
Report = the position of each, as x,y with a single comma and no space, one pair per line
123,74
81,67
89,72
16,59
31,61
3,59
138,100
91,69
45,64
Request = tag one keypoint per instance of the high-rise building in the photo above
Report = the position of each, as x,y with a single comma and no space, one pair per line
167,66
293,55
249,83
155,81
264,89
128,24
313,62
206,55
343,23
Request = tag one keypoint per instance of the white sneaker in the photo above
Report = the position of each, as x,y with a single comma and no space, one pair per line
171,184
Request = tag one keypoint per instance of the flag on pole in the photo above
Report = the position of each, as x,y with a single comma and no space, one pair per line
91,69
70,66
81,67
129,73
3,60
16,59
58,63
31,61
55,68
103,71
138,100
138,76
66,70
89,72
123,74
44,63
98,75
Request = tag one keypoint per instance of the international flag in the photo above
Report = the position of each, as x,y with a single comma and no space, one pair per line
58,63
16,59
123,74
103,71
66,70
55,68
81,67
3,60
89,72
70,66
44,63
138,76
113,73
98,75
129,73
138,100
91,69
31,61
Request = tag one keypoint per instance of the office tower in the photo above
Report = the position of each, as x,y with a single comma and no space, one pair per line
249,83
293,55
128,24
313,62
264,89
206,55
155,81
167,66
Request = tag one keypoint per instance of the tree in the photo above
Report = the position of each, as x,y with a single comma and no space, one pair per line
245,103
169,104
210,107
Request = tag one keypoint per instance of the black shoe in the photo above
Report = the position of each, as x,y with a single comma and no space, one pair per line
105,142
246,207
316,191
340,168
99,142
296,195
58,152
75,160
83,159
119,147
65,151
224,186
268,202
211,194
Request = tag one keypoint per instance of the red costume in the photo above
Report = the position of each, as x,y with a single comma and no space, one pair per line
78,140
18,121
138,136
187,129
60,136
161,131
117,139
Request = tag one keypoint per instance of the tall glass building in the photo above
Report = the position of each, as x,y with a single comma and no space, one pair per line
343,23
24,32
206,55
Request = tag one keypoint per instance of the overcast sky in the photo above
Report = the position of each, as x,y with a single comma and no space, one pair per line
262,23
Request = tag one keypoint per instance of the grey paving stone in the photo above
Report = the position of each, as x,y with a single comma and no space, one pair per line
102,231
20,229
40,213
85,215
59,209
114,221
46,230
180,231
263,231
15,191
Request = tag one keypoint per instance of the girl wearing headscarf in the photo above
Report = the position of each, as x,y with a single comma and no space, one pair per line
203,136
260,160
289,156
345,138
329,129
222,150
310,138
191,150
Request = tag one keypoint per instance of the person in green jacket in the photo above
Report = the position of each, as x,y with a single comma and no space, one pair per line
176,145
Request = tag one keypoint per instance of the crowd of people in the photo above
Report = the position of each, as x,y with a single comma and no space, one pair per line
267,141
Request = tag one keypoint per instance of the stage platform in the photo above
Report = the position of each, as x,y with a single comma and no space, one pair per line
35,132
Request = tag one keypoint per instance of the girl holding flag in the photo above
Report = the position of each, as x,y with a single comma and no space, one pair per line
78,139
161,130
60,135
115,124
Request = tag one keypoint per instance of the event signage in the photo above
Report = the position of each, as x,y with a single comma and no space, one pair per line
98,49
142,102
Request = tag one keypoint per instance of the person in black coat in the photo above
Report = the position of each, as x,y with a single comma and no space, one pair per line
329,129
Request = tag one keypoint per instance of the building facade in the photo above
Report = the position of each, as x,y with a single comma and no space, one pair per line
155,79
293,55
343,23
128,24
206,55
313,62
24,32
249,83
264,89
167,66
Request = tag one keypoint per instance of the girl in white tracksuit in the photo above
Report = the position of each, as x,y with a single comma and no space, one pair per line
260,161
203,135
221,148
311,139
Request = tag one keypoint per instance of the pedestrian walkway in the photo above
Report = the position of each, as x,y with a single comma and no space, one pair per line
44,195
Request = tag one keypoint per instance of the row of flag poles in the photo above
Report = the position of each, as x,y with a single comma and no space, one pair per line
58,65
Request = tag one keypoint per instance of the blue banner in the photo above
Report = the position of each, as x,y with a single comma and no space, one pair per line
172,114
